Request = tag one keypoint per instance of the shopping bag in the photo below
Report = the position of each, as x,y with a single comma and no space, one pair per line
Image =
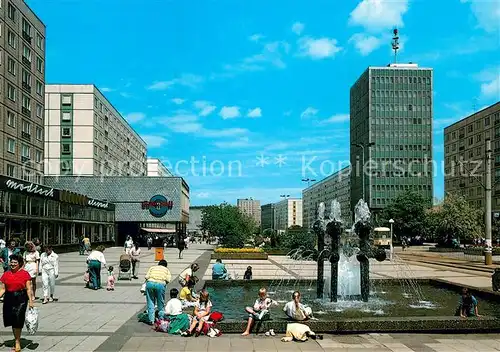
32,320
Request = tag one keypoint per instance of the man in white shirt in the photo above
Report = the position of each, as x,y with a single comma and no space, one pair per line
49,262
296,310
95,260
174,305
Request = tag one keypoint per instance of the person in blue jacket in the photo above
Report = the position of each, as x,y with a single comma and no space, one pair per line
7,252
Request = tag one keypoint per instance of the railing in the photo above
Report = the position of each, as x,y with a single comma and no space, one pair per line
26,111
26,87
24,158
26,135
26,61
27,37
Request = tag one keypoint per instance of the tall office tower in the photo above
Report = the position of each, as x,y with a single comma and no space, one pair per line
250,207
287,213
22,74
267,216
391,126
464,154
156,168
86,136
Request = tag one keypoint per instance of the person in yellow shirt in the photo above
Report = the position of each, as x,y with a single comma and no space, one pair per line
186,296
157,278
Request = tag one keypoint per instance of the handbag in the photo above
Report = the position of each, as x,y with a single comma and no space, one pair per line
32,321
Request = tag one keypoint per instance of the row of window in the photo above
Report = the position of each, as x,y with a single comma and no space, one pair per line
400,147
400,187
26,101
401,107
26,76
12,14
475,126
401,94
26,175
25,150
27,53
401,80
395,121
400,134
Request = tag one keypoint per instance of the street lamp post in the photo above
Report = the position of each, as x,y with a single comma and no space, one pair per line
362,146
391,221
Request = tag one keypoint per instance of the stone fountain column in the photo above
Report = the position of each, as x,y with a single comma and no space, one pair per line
320,279
334,230
363,230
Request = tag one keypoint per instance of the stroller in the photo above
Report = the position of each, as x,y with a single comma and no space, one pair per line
125,268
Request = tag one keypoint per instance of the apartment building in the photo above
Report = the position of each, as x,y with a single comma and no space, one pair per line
267,216
157,168
250,207
22,74
86,136
287,213
391,112
464,153
336,186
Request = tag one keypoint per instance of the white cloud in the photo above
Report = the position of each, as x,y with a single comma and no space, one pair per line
309,112
298,28
202,195
178,101
336,118
229,112
135,117
491,89
487,14
188,123
256,37
242,142
321,48
490,82
205,107
106,89
365,43
228,132
375,15
187,80
154,141
257,112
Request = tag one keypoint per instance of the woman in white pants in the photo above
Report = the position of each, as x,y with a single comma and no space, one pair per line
49,262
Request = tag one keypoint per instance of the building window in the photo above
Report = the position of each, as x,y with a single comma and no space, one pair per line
66,132
65,165
11,65
25,151
39,133
26,53
39,64
11,92
487,121
11,11
11,119
26,102
66,99
26,126
66,116
38,156
11,145
11,39
66,148
39,41
26,27
39,88
26,79
39,111
11,170
96,150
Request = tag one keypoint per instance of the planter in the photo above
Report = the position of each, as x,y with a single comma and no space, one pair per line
480,251
240,256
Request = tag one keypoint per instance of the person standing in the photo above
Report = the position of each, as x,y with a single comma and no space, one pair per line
95,261
7,252
150,242
31,259
129,244
86,244
81,245
49,262
134,258
181,245
157,278
16,285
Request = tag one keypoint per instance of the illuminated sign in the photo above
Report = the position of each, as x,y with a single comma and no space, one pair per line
158,205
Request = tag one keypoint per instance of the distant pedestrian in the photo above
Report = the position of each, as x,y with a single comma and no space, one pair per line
49,262
150,242
134,258
129,244
111,279
31,259
181,245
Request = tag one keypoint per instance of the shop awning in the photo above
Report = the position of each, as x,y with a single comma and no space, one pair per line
158,230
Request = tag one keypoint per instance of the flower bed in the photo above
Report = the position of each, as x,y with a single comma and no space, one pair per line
240,253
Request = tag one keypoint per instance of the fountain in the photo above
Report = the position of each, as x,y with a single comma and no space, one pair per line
351,284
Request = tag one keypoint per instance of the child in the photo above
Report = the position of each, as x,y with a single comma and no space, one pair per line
201,313
259,311
179,321
468,305
248,274
111,279
86,279
187,296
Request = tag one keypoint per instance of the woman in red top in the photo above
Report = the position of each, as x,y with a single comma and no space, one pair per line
16,284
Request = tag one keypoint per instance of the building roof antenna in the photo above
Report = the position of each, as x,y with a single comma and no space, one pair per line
395,44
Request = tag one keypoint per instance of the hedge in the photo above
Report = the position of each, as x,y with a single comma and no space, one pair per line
240,256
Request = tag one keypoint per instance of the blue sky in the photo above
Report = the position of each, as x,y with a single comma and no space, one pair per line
225,82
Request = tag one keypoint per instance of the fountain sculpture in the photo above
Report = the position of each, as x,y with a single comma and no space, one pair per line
329,233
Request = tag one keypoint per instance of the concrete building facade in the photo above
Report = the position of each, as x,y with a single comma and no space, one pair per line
465,152
22,75
251,207
86,136
391,112
195,216
267,216
287,213
336,186
157,168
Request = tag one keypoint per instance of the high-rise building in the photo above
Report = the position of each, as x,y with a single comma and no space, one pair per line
157,168
86,136
464,154
251,207
22,72
267,216
287,213
336,186
391,125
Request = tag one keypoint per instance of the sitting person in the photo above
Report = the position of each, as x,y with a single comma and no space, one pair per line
299,332
468,305
179,321
248,274
259,311
187,296
296,310
201,313
219,271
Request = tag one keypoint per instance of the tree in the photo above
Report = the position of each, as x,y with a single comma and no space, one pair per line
298,237
456,219
408,210
228,223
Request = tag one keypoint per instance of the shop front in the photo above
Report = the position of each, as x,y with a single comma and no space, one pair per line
57,217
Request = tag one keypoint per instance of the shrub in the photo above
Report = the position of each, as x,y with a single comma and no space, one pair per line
239,250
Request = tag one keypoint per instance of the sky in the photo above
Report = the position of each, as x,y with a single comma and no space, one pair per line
248,98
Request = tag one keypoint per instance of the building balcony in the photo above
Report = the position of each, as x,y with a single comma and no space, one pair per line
26,135
26,87
27,37
26,62
24,159
26,111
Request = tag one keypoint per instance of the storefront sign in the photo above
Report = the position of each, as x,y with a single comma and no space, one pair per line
72,198
98,204
158,205
29,188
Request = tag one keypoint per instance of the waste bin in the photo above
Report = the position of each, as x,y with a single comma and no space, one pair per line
495,280
159,254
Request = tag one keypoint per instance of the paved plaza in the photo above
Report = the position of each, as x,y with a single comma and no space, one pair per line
87,320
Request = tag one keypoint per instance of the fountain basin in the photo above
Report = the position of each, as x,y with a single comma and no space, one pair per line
388,310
